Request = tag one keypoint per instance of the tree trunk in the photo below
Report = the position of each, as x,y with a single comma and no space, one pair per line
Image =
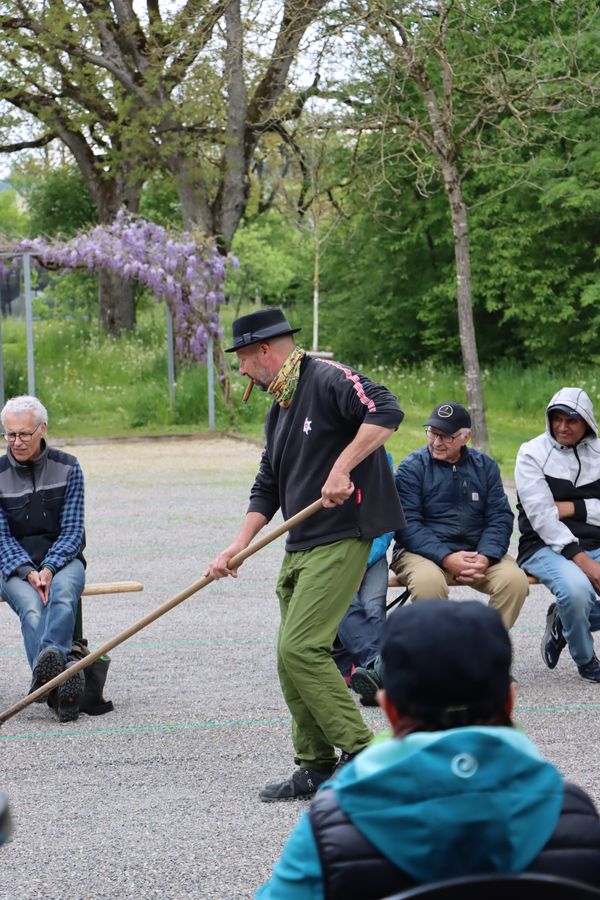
116,299
466,326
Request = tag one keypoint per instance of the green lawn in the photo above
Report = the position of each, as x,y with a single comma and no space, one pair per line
96,386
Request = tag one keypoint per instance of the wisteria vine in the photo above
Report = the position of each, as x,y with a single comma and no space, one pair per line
185,272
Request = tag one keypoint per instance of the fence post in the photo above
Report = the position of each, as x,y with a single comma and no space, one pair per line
29,324
210,367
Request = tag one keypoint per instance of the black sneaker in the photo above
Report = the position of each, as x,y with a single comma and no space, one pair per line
50,663
69,696
553,642
302,783
591,670
345,758
366,683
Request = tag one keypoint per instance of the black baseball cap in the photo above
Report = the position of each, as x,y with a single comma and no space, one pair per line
446,662
449,417
259,326
565,409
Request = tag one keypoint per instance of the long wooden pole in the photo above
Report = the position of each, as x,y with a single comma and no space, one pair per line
233,563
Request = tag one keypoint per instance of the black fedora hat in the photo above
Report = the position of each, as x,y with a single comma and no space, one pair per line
259,326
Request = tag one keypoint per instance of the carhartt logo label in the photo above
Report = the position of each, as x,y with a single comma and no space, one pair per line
444,412
307,425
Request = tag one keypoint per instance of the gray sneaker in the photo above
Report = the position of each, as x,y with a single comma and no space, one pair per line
303,783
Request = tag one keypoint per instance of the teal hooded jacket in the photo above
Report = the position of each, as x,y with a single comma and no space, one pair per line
438,805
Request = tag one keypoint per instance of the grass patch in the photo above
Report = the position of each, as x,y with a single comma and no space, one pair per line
98,386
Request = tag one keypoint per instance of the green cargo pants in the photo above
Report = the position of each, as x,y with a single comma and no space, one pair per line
315,588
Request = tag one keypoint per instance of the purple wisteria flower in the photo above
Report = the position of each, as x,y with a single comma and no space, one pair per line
186,273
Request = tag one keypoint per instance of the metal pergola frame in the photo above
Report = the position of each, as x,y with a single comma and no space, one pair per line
26,255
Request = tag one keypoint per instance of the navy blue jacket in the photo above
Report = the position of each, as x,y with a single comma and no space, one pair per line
453,506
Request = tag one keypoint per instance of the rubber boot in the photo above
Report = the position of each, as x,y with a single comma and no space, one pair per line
93,702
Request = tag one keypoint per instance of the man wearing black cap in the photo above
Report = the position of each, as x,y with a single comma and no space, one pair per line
558,485
456,791
324,437
458,525
458,519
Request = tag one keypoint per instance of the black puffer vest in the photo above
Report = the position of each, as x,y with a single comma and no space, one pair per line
32,497
354,869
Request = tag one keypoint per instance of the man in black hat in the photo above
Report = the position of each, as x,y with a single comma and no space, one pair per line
458,525
456,790
558,485
324,437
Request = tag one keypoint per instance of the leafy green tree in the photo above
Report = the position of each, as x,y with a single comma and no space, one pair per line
59,204
450,84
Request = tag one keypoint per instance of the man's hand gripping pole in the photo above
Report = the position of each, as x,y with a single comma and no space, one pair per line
233,563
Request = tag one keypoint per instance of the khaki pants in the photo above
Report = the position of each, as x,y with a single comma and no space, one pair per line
505,583
315,588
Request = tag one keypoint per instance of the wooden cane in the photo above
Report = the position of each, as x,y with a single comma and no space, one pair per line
233,563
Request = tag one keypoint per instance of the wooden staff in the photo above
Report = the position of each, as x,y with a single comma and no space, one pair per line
233,563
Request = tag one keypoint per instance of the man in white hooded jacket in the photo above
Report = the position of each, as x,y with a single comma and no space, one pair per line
558,485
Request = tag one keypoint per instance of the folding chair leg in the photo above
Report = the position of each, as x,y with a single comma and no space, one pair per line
400,600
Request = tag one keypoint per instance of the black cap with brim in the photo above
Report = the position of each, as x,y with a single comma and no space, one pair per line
559,407
446,662
259,326
449,417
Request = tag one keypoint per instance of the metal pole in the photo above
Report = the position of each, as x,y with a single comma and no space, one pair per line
210,368
170,356
1,364
29,324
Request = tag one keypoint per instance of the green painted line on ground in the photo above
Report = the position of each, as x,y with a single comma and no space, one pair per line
569,708
181,726
217,642
236,723
137,729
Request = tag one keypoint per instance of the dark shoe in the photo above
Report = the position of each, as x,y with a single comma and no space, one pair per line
93,702
50,663
5,822
345,758
591,670
69,696
553,642
366,683
302,783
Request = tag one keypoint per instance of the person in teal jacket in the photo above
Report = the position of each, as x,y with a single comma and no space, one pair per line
456,790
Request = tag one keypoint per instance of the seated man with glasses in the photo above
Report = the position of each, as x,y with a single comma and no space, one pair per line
41,542
458,525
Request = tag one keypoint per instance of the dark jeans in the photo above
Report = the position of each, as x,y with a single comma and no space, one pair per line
359,633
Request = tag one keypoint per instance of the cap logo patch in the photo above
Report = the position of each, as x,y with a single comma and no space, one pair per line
444,412
464,765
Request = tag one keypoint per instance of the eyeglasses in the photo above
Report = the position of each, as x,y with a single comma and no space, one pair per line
24,436
445,438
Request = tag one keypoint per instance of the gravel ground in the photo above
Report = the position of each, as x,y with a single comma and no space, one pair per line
158,799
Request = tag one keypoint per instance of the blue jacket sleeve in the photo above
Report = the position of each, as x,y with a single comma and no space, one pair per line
499,518
297,874
416,536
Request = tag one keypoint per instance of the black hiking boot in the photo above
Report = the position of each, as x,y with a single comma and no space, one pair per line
302,784
50,663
